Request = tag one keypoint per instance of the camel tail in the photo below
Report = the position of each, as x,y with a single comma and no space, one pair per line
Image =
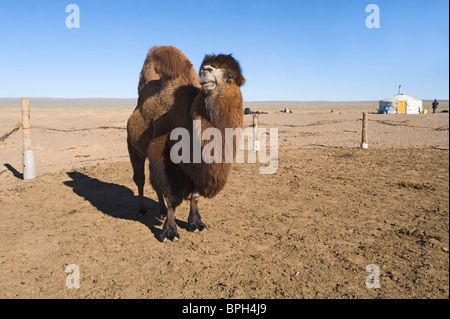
163,63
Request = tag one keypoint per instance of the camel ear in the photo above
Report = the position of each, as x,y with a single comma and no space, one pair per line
240,80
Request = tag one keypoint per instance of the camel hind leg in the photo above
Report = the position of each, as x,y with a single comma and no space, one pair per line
138,163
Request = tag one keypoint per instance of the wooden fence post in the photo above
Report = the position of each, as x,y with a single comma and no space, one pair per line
28,161
256,146
364,143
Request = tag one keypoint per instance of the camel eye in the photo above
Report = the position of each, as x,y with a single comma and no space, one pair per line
229,77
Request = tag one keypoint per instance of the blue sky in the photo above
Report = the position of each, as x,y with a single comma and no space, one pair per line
288,50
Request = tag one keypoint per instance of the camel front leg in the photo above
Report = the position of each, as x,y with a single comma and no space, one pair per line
195,223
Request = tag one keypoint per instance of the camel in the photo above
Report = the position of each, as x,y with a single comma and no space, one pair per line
172,95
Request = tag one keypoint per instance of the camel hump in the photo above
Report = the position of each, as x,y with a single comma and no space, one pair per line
164,63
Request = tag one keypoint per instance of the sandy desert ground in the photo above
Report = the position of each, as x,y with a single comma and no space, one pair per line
307,231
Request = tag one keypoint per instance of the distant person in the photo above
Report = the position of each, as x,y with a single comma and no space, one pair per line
386,109
434,105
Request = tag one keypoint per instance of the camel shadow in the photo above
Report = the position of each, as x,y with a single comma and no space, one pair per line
117,201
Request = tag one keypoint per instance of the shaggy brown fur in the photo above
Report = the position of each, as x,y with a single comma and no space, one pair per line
170,96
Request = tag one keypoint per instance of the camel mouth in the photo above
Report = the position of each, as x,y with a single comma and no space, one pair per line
208,83
208,87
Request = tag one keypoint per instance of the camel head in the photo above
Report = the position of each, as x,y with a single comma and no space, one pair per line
220,75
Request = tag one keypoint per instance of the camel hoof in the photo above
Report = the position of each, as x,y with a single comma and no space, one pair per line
169,236
165,239
196,228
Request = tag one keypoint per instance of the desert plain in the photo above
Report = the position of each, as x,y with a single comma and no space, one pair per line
310,230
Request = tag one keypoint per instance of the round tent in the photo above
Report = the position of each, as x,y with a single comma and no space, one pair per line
401,104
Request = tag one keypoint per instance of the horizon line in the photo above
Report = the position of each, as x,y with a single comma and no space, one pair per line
245,101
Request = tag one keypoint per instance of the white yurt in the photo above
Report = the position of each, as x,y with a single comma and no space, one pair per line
401,104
